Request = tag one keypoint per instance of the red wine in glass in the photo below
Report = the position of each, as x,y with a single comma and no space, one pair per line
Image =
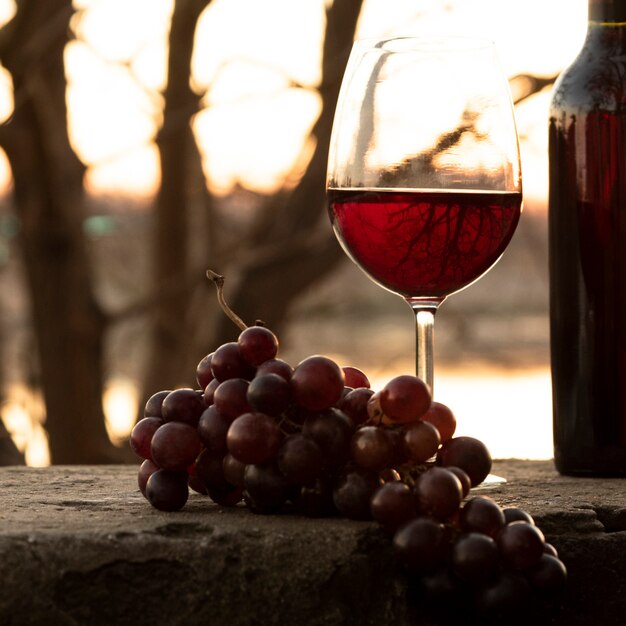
424,243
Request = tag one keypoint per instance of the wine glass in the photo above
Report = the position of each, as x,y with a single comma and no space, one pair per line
424,180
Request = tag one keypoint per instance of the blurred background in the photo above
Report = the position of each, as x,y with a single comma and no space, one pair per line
144,141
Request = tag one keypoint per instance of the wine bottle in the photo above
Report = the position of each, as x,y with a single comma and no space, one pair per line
587,250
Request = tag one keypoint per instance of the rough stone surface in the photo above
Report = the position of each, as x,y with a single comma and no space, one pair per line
80,545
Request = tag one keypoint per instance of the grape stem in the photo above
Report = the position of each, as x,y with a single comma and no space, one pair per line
218,281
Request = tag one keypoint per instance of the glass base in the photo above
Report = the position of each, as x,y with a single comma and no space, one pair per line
491,481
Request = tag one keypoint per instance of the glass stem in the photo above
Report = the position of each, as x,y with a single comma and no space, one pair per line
424,339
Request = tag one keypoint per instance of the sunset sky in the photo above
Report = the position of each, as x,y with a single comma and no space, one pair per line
248,53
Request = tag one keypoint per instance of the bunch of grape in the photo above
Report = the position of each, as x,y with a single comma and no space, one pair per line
316,440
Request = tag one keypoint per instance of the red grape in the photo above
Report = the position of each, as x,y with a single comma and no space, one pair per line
233,470
393,505
175,446
421,544
253,438
466,483
230,398
141,436
331,430
300,460
354,405
442,418
269,393
352,494
212,430
421,441
275,366
228,362
515,514
521,544
209,391
475,558
146,469
470,454
183,405
483,515
355,378
372,448
317,383
266,489
204,375
154,403
167,490
405,399
257,344
438,492
549,575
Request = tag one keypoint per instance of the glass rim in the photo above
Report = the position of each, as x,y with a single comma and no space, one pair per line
425,43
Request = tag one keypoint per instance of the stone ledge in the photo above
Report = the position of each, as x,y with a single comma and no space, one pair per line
80,545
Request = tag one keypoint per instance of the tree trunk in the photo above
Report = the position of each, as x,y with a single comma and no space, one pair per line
49,200
301,248
180,170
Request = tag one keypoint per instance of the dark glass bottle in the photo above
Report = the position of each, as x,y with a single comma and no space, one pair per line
587,239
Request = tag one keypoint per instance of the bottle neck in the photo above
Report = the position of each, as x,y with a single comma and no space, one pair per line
607,11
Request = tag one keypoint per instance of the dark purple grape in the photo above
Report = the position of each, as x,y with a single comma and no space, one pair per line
167,490
175,446
548,576
265,488
209,392
275,366
257,344
146,469
183,405
521,545
439,493
405,399
227,362
421,441
421,545
481,514
231,398
254,438
233,470
372,448
212,430
317,383
332,431
393,505
204,374
352,494
514,514
141,436
195,482
548,548
154,403
209,468
354,405
505,597
300,460
470,454
269,393
475,558
355,378
466,483
226,497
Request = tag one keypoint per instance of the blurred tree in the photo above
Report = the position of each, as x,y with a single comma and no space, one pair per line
288,245
49,201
